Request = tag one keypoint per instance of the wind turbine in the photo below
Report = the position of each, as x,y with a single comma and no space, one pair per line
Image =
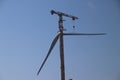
60,37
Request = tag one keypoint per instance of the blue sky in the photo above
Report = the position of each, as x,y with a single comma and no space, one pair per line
27,29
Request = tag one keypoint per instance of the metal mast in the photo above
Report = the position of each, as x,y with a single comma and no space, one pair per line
60,22
61,48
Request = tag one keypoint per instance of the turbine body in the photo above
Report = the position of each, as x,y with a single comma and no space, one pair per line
61,40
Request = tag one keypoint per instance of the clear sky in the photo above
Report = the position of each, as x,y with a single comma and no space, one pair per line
27,29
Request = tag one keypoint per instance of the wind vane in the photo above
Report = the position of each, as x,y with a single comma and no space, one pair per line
60,37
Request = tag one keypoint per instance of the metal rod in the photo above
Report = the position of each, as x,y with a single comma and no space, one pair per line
61,48
63,14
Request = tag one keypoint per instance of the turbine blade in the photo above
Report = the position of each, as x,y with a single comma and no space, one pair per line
84,34
50,49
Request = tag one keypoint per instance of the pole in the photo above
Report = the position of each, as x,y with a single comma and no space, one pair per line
61,48
60,22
